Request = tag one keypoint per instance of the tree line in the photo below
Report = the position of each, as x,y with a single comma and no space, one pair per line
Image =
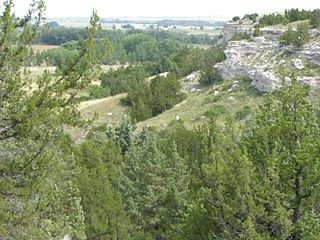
291,15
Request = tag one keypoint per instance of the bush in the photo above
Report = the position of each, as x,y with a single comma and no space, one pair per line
243,113
216,111
147,100
236,18
98,92
240,36
296,38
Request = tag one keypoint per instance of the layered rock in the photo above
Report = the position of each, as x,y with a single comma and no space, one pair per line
260,58
230,28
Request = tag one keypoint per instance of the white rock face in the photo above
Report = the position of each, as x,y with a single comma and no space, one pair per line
216,93
264,81
272,33
231,98
298,64
260,58
246,26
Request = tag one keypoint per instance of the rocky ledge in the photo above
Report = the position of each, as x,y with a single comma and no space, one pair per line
261,58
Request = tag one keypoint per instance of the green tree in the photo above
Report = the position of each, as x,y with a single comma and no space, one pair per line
236,18
296,38
99,162
315,18
154,188
257,32
284,149
39,197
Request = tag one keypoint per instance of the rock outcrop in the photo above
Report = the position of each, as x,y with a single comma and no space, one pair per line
260,59
230,28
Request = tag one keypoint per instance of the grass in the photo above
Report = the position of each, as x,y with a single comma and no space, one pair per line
197,108
108,111
201,46
42,48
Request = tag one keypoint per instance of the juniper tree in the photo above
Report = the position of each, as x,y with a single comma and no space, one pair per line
38,199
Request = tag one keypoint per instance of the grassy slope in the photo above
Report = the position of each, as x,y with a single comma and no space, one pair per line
194,110
107,110
197,108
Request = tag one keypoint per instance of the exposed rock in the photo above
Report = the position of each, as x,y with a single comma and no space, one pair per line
216,93
308,80
282,61
191,77
272,33
258,59
311,51
164,125
231,98
66,237
298,64
190,83
230,28
264,81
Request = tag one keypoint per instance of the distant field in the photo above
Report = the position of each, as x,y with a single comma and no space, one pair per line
42,48
211,33
202,46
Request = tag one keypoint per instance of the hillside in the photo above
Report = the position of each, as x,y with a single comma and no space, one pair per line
264,60
234,97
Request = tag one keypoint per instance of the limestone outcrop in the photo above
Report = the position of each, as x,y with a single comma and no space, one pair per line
262,59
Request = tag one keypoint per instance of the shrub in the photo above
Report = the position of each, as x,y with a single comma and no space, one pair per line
243,113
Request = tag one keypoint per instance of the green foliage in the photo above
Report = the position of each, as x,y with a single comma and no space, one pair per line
39,197
59,57
212,56
123,79
290,15
294,15
257,32
252,17
315,18
98,92
147,100
236,18
99,162
296,38
243,113
272,19
240,36
155,186
283,146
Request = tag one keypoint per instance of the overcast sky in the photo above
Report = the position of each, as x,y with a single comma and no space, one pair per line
165,8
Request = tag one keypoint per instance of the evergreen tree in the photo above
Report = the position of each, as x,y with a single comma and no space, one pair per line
284,150
99,160
39,198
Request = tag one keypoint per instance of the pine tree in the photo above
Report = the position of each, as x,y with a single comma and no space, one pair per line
99,160
38,200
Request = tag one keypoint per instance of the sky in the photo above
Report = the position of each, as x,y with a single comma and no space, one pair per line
222,9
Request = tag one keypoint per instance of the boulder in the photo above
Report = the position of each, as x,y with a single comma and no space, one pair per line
298,64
